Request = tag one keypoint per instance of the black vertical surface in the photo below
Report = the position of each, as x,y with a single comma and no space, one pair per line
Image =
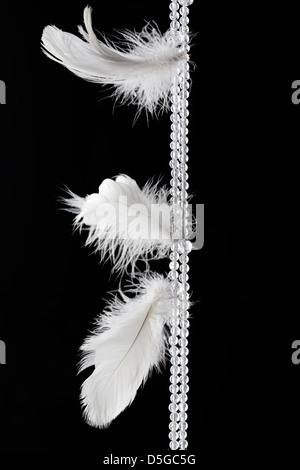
58,130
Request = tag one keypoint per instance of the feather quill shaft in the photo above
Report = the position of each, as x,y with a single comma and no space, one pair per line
129,341
142,70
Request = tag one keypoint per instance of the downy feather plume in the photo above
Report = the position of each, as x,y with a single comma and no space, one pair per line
141,68
128,342
125,223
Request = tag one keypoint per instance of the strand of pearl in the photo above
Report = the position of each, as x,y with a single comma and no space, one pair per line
179,258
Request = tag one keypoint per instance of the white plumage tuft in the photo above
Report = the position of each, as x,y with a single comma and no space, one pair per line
129,341
125,223
141,71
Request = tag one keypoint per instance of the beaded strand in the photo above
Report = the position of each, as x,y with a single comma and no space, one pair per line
179,256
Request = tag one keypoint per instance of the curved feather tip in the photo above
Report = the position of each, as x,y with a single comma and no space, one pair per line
125,223
142,70
128,342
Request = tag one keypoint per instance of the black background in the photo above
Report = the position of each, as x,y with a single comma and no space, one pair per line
57,130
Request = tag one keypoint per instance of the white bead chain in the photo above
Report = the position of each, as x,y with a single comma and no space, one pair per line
180,229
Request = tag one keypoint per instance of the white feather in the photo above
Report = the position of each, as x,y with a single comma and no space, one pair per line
125,223
128,343
142,70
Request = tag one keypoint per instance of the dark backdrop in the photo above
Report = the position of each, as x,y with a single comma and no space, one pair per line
58,130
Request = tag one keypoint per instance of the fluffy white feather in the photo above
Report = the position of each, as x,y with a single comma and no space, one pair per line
125,223
128,342
142,70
